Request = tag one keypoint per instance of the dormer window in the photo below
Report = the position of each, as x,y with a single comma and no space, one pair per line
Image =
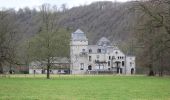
90,50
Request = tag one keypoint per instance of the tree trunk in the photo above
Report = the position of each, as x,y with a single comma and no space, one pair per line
161,65
48,69
48,72
1,69
151,72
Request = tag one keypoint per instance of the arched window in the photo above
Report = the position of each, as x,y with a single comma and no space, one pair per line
123,63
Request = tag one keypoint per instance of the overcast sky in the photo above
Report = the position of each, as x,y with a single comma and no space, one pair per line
36,3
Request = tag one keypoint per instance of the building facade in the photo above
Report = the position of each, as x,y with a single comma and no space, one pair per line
104,56
59,66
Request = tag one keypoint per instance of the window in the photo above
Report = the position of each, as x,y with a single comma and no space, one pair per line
123,63
113,57
83,50
108,63
109,57
90,50
81,66
116,52
130,64
118,57
98,56
98,50
89,58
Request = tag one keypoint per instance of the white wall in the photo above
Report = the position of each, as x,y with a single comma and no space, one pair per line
76,48
130,63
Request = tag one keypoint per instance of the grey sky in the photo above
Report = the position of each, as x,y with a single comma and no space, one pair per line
35,3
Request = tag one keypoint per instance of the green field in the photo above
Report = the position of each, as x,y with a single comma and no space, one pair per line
104,87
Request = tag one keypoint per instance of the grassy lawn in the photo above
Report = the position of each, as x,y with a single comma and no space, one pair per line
85,88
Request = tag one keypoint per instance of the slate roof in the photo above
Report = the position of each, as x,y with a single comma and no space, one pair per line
79,31
78,35
104,41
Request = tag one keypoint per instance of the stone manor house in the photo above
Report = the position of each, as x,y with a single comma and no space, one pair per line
103,57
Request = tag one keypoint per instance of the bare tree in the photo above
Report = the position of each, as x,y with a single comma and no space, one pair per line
51,42
8,39
64,7
154,32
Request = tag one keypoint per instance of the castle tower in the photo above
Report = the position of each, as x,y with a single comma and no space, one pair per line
78,52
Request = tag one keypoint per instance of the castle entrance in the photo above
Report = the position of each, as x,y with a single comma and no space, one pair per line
132,71
89,67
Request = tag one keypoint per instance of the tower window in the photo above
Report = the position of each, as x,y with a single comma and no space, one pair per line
98,50
130,64
81,66
97,56
90,58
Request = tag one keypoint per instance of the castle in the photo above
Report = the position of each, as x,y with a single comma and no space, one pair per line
86,59
97,58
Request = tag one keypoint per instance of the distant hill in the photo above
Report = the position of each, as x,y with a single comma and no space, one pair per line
112,20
